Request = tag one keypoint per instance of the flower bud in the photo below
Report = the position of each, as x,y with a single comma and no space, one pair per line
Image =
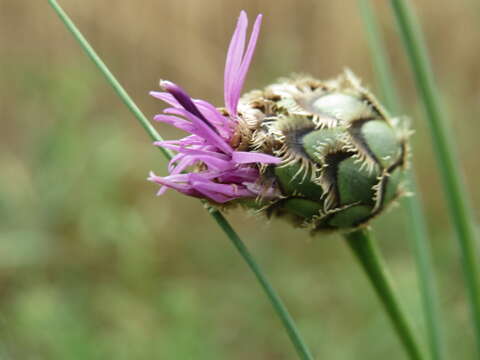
343,157
324,154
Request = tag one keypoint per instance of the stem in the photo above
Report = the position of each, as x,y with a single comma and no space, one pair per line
426,278
412,204
379,56
369,257
121,92
275,300
277,303
447,159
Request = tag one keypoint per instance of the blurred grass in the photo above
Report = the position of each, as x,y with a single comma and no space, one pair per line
456,194
93,265
413,205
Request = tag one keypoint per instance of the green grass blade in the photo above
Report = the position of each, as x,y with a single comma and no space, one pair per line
426,278
121,92
369,258
450,172
379,57
412,204
275,300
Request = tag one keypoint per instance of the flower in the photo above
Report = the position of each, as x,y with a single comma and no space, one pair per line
324,154
222,173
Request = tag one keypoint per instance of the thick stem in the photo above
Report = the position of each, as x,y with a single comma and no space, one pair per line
450,172
275,300
366,253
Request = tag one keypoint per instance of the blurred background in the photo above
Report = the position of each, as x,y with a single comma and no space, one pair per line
94,266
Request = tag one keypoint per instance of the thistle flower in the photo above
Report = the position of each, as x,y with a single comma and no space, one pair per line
324,154
223,173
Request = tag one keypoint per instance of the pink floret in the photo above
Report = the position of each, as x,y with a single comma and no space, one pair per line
222,174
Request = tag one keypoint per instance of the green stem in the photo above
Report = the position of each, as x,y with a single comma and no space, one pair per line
121,92
447,160
378,52
426,278
367,254
277,304
412,204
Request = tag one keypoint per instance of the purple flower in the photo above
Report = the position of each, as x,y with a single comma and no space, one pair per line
220,172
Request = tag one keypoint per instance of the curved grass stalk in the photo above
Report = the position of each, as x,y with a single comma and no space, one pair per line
450,172
282,312
369,257
412,204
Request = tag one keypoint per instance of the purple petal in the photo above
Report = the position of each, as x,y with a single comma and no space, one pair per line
174,160
196,151
182,165
212,137
239,80
209,132
181,187
184,99
214,163
168,98
224,189
211,159
186,141
213,115
218,198
243,157
179,123
212,195
239,175
234,59
229,178
202,176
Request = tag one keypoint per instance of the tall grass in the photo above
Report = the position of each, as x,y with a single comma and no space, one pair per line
447,159
412,204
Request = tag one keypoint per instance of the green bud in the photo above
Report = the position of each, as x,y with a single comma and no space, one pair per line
343,156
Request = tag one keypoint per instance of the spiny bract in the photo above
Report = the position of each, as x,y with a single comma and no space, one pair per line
324,154
343,157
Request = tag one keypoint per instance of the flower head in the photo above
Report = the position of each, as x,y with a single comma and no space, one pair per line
324,154
222,173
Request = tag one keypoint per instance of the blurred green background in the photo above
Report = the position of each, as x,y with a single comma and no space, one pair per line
94,266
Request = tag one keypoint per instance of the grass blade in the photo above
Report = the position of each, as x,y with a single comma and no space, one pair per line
273,297
367,254
450,172
412,204
275,300
379,57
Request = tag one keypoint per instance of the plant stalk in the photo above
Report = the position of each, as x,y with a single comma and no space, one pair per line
370,260
412,205
450,172
275,300
277,303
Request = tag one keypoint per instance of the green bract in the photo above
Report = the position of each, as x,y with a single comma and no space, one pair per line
343,156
